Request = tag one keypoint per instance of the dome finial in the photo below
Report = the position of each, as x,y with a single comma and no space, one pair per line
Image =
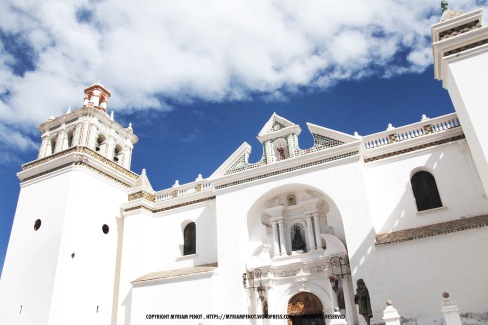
444,5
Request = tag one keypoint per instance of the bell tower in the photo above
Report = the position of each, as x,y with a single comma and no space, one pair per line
61,263
460,48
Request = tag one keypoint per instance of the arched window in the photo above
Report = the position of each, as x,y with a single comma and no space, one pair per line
425,191
189,235
70,136
101,143
117,152
53,140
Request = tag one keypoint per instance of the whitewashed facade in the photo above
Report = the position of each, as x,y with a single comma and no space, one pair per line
293,232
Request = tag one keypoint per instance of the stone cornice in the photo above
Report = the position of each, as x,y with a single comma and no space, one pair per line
432,230
413,148
82,156
143,203
456,45
293,129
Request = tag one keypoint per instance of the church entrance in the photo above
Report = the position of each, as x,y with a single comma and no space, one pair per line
305,308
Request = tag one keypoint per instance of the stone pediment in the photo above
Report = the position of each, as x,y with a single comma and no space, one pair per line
236,162
279,133
276,127
327,138
450,14
274,124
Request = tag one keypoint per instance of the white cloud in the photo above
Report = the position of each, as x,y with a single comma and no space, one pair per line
147,52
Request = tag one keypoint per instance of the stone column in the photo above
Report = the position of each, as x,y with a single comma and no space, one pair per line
318,239
450,311
127,157
77,133
281,227
311,242
390,314
276,247
49,148
63,135
92,137
59,141
42,150
110,148
275,216
333,296
351,313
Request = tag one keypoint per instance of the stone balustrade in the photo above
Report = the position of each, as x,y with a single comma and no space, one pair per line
183,190
411,131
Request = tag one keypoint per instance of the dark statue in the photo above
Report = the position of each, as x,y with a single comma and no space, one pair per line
282,152
444,6
298,243
361,298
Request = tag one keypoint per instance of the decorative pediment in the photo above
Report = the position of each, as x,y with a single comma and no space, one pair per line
274,124
450,14
236,162
276,127
327,138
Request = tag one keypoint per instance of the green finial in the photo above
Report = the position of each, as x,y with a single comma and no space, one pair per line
444,5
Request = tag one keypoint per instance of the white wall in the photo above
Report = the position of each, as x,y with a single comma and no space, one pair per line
154,242
87,280
390,193
189,295
31,261
40,273
417,272
466,85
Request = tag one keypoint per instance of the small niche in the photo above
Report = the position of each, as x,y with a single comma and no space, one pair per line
291,200
37,224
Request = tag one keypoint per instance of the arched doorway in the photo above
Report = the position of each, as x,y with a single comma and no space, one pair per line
305,309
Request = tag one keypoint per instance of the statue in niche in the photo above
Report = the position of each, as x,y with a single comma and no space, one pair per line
282,152
298,243
291,200
361,298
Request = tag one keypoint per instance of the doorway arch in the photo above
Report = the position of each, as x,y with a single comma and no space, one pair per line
305,309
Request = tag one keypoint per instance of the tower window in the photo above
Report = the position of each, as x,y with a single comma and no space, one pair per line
70,138
117,152
101,143
189,235
37,224
53,144
425,191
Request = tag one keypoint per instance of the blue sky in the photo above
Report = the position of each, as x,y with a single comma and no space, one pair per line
197,79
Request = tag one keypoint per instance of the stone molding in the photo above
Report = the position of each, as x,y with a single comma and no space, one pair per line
77,156
432,230
415,148
154,276
155,210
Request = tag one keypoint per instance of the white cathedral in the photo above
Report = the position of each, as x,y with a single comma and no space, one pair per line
406,210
